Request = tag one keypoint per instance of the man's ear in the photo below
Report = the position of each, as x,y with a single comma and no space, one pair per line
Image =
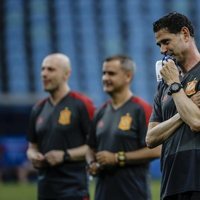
186,33
129,75
67,74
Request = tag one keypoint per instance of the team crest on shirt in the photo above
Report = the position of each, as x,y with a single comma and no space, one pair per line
65,117
191,87
125,122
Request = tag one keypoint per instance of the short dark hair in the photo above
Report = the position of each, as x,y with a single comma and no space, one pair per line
126,62
174,22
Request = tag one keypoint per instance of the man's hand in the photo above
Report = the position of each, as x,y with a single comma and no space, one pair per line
106,158
196,98
37,160
170,72
54,157
93,168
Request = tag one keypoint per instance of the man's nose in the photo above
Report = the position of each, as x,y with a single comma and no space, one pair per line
43,73
105,76
163,49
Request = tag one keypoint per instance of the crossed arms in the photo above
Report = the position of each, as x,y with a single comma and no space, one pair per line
188,111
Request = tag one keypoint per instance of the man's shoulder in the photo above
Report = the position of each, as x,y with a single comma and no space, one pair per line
101,109
40,103
104,105
140,101
80,96
83,100
143,105
36,109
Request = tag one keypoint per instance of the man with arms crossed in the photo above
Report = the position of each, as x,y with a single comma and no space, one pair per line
175,121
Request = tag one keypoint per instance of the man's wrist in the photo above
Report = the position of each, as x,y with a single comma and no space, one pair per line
120,158
174,88
66,157
91,162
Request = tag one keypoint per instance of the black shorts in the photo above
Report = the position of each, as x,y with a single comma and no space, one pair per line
192,195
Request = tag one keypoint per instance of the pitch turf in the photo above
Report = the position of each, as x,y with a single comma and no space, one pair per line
14,191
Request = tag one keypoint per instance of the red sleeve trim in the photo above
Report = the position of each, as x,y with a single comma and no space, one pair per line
87,101
147,107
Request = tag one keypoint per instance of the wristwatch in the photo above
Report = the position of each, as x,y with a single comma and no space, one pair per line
66,157
174,88
121,158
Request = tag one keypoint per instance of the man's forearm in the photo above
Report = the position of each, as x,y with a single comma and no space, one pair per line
158,133
188,110
77,153
142,155
90,155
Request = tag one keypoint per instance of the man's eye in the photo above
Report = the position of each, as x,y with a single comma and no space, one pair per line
166,42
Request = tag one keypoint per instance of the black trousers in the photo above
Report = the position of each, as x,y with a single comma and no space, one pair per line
192,195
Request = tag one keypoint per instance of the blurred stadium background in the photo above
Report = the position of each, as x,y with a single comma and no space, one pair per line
87,31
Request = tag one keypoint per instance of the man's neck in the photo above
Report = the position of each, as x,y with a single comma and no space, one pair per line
57,95
191,60
120,98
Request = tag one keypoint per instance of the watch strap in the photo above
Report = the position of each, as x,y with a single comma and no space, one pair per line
172,91
66,157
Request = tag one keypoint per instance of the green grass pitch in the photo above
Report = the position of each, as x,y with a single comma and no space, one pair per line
14,191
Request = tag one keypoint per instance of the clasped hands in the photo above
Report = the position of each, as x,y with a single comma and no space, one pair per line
102,159
51,158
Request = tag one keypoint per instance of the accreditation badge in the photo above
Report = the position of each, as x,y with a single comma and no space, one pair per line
65,117
125,122
191,87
